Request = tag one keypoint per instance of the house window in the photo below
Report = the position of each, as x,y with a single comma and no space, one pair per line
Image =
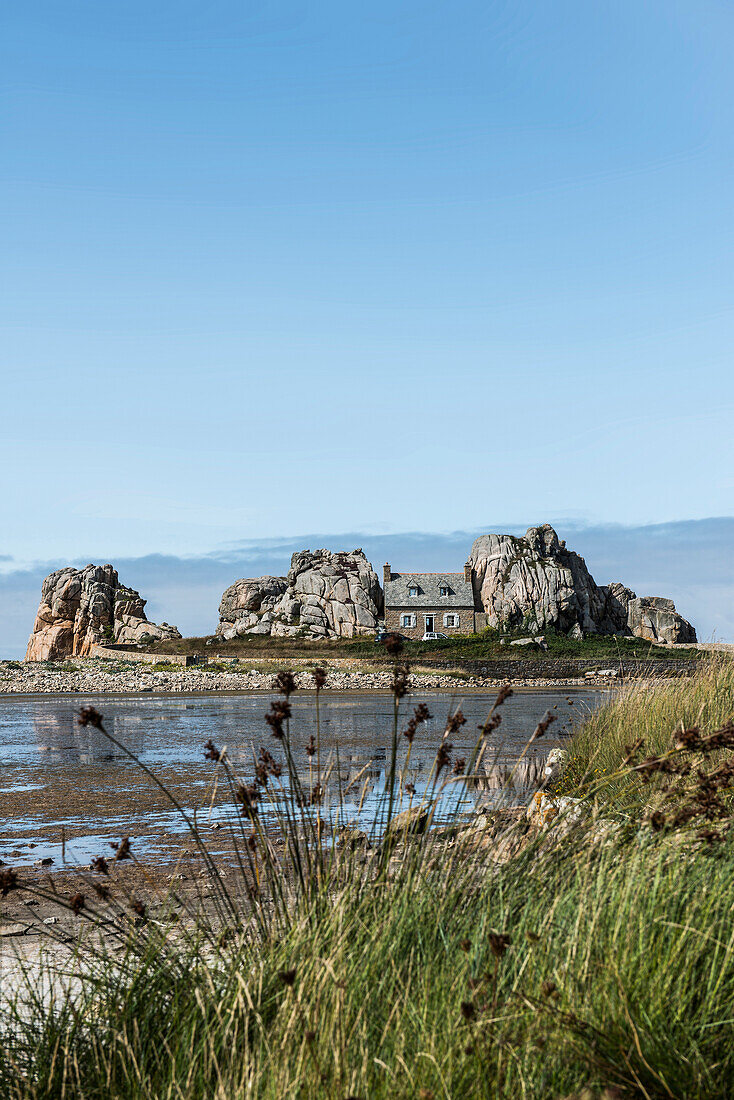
451,620
407,620
444,590
413,590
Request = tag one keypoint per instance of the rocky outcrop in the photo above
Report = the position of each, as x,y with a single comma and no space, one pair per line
655,619
82,608
535,582
248,606
325,595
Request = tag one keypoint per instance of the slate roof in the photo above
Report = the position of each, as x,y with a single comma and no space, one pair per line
461,593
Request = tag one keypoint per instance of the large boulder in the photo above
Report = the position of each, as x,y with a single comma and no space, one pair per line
535,583
83,608
656,620
325,595
246,604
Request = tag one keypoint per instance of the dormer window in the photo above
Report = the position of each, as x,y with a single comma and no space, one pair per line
444,590
413,590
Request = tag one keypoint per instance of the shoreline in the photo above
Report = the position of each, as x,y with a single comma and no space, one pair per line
97,677
90,679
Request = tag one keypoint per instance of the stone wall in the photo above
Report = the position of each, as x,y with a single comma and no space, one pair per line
563,668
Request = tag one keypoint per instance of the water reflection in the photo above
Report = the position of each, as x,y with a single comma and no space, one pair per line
42,747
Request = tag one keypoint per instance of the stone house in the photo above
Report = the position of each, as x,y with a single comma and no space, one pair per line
419,602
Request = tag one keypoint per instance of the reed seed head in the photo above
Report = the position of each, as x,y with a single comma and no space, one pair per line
393,644
285,683
280,711
8,882
498,943
90,716
542,727
76,904
443,756
400,681
491,724
266,766
121,850
247,797
455,721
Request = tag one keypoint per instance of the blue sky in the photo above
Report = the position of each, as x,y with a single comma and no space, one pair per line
272,268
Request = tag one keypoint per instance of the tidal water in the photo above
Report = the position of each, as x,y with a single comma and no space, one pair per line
59,780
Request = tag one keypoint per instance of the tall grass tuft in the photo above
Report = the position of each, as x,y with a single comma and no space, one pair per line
653,714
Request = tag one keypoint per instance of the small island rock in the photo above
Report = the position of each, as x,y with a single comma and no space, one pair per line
82,608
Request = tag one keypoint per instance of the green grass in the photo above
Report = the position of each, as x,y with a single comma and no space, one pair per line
380,974
473,647
637,942
653,714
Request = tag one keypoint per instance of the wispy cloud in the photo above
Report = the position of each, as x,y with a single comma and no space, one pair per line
689,561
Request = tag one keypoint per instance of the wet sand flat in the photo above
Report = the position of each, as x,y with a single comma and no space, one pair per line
67,792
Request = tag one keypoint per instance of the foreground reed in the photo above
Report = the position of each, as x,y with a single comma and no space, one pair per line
491,960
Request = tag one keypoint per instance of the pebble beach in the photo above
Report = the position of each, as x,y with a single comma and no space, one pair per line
94,676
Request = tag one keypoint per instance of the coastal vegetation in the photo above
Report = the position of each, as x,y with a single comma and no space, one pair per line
592,957
489,645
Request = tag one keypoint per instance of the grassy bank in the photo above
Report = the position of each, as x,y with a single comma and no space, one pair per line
653,716
444,964
490,645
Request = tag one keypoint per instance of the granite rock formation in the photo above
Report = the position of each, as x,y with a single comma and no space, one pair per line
325,595
655,619
535,582
82,608
248,606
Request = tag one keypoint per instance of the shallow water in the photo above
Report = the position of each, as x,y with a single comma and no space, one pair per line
57,776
